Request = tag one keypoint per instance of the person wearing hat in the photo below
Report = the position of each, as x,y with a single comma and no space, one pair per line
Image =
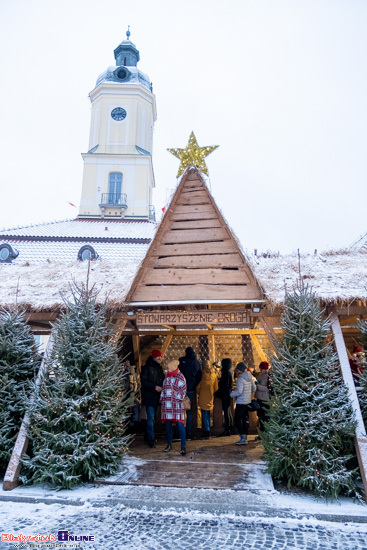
262,393
245,387
225,387
151,378
357,362
172,395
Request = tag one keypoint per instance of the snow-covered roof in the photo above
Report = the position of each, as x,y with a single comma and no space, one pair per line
47,263
31,251
92,229
41,286
47,259
333,275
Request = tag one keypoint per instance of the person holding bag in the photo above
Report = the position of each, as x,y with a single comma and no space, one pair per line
172,395
245,387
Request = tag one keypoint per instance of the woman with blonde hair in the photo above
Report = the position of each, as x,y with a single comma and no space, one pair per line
172,395
205,391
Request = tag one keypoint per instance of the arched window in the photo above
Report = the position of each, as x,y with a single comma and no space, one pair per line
87,252
7,253
114,187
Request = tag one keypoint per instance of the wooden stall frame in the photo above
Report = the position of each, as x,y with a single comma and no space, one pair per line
360,433
11,478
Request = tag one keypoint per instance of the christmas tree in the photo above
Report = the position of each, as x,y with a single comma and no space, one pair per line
19,363
362,395
80,412
309,439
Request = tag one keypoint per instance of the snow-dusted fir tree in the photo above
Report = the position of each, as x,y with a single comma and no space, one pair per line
19,362
79,415
309,437
362,395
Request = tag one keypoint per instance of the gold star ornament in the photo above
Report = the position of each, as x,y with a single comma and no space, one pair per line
193,155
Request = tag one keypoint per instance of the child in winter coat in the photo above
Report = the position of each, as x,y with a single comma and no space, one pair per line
205,391
245,387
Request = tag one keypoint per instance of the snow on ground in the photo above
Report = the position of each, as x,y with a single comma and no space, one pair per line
142,517
261,496
120,526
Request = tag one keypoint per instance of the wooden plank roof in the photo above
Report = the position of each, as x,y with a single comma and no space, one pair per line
194,255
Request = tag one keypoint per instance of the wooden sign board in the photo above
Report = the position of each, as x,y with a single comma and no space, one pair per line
207,317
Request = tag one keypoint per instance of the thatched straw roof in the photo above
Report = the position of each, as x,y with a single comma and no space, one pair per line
41,286
335,275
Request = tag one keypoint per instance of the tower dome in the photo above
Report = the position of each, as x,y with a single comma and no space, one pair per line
125,70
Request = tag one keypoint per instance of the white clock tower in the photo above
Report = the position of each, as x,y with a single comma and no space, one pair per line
118,173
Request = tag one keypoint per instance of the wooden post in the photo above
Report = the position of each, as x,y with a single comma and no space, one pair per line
217,411
137,356
256,344
270,333
11,478
119,328
360,434
211,346
166,343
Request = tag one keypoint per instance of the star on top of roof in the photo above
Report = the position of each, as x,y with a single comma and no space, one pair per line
193,155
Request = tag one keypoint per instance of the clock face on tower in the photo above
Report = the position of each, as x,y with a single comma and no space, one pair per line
118,113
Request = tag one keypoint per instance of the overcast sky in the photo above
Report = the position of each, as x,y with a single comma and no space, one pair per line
279,85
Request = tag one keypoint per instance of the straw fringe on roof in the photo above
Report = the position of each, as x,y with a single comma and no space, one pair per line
335,276
41,286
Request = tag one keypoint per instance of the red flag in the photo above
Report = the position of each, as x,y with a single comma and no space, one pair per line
71,204
163,209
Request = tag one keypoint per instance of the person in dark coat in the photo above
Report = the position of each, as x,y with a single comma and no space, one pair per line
191,369
224,389
151,378
262,394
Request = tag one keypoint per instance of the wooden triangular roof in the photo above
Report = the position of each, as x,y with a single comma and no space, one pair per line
193,256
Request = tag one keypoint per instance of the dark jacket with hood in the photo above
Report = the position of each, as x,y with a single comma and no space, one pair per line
225,385
190,368
152,375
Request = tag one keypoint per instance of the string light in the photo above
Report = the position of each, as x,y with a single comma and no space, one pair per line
193,155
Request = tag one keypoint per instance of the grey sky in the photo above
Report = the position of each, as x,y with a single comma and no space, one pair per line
279,85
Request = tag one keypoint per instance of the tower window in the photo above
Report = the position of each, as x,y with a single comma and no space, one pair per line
7,253
87,252
124,60
114,187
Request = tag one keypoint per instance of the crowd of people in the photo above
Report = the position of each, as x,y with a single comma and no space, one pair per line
199,383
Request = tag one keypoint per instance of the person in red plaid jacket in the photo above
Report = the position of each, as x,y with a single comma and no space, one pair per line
173,392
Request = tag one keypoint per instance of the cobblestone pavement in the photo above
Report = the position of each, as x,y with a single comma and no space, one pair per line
129,529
